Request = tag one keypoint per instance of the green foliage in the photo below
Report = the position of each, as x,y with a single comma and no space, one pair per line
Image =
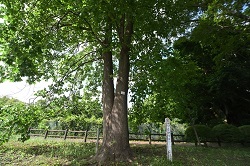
151,127
51,33
43,125
245,132
227,133
76,112
49,36
204,133
16,118
205,76
224,65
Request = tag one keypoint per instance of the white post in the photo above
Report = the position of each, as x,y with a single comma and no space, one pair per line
168,139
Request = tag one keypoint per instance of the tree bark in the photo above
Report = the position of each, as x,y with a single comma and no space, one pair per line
120,131
108,100
115,146
121,146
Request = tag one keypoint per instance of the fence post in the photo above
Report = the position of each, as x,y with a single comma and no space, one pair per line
29,131
172,138
149,139
97,140
219,142
65,134
85,137
168,139
46,134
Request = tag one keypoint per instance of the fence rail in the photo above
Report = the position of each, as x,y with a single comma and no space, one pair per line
94,135
70,134
97,135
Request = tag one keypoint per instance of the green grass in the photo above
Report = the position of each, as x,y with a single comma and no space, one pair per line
49,152
45,152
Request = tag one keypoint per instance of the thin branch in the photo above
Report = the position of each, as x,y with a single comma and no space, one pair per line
239,15
60,19
78,65
92,31
50,92
72,25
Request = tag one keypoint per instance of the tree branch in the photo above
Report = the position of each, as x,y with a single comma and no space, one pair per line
92,31
69,71
79,65
72,25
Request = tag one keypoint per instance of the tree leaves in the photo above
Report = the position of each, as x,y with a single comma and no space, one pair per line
206,71
16,118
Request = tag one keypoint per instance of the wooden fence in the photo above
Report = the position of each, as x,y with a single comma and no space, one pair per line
96,135
156,137
65,134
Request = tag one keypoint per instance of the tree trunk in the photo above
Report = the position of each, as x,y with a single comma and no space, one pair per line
115,146
120,131
196,136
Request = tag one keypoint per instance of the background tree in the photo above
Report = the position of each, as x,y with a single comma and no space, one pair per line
76,112
206,77
16,117
219,45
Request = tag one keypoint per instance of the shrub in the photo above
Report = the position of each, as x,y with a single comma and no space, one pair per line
203,132
245,132
226,133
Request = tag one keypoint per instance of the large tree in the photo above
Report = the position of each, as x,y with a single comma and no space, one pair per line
54,39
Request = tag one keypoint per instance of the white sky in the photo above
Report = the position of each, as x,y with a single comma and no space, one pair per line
21,90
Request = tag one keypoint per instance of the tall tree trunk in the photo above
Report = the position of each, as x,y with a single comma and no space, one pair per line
105,152
115,146
121,148
107,96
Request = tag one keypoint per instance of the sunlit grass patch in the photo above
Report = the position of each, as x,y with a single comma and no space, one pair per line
45,152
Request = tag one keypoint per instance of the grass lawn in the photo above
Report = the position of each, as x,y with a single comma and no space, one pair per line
49,152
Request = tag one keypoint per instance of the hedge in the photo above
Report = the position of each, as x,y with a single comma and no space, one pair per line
245,132
203,132
226,133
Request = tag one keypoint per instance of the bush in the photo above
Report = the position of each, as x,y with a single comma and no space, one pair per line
245,132
203,132
226,133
